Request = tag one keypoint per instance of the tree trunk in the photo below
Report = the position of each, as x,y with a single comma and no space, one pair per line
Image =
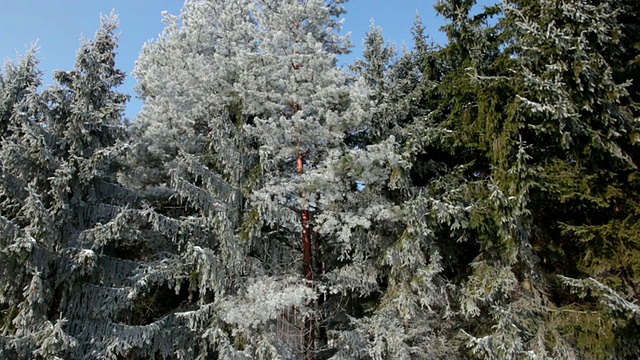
309,331
307,255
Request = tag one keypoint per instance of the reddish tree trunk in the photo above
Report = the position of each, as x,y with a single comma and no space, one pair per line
307,260
306,248
307,255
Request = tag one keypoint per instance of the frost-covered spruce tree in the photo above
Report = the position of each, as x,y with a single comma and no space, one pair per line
17,82
582,114
536,107
27,229
410,246
497,275
502,288
71,244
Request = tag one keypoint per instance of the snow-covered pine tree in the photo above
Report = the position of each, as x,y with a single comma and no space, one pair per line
193,166
299,98
224,87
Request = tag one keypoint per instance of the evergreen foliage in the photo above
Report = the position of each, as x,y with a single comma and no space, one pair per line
536,101
477,199
241,106
62,212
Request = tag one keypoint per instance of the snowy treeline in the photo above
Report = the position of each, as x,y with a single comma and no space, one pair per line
479,199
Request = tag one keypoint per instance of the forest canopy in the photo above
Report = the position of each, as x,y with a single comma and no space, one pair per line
476,199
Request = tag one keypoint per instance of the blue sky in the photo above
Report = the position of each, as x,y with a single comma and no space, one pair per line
58,26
